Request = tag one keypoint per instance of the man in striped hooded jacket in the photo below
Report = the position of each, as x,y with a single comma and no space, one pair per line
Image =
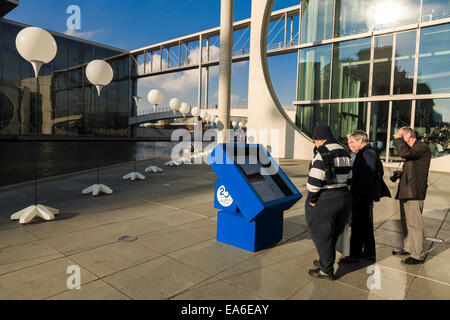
329,200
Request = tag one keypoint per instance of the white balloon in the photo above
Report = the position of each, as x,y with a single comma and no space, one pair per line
99,73
234,124
195,111
175,104
241,125
37,46
185,108
155,97
204,114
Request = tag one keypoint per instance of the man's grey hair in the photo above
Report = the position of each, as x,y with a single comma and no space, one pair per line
360,135
410,131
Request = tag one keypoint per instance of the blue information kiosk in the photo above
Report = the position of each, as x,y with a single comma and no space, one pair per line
251,192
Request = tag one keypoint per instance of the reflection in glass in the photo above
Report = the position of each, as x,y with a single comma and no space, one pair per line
435,9
395,13
351,66
353,17
405,52
379,114
314,73
382,64
401,117
317,20
434,60
432,122
347,117
309,116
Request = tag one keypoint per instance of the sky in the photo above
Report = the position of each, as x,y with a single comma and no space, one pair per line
134,24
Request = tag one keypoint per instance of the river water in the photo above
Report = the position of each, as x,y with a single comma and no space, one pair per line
60,157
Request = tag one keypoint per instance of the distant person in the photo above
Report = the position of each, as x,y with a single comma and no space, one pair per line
440,149
412,190
432,148
380,146
329,200
367,187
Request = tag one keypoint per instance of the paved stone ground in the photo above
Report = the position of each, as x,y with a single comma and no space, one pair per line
176,255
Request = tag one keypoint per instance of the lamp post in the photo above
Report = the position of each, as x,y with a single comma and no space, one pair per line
154,97
38,47
100,74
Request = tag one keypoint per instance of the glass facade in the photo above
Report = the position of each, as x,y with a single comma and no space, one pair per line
376,82
67,104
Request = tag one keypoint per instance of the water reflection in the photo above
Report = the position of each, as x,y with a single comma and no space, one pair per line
60,157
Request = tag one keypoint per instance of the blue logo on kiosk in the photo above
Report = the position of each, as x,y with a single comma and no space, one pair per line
224,197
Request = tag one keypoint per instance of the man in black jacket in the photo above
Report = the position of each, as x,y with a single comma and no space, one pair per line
367,187
412,190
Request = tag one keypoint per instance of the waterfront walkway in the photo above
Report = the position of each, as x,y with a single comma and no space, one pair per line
176,255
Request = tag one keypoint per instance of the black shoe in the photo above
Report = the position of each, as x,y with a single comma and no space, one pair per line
400,253
317,263
411,260
319,274
369,257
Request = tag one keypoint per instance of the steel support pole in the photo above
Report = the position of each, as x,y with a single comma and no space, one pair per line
225,65
200,69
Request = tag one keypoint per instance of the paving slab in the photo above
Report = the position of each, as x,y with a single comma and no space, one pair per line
114,257
40,281
161,278
96,290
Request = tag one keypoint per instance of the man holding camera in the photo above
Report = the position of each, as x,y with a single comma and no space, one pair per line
411,192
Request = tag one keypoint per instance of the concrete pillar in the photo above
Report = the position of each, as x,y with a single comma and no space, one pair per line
226,52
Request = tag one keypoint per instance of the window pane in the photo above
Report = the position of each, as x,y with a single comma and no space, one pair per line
432,122
353,17
351,61
309,116
401,117
382,64
317,20
314,73
390,13
405,52
379,114
434,60
435,9
346,118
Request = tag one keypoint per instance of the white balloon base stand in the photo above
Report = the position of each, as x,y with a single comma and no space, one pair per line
134,176
96,189
154,169
26,215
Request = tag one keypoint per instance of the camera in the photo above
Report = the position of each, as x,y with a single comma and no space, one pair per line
396,175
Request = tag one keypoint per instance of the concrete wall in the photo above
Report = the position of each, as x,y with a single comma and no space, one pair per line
265,113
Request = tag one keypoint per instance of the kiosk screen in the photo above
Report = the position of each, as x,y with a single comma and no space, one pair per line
268,187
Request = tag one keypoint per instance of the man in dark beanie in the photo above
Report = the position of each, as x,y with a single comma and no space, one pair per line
329,200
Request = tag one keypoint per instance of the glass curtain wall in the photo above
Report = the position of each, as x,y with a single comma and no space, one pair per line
435,10
382,65
65,98
317,20
432,120
351,66
309,116
346,118
379,116
392,14
353,17
314,73
434,60
405,52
